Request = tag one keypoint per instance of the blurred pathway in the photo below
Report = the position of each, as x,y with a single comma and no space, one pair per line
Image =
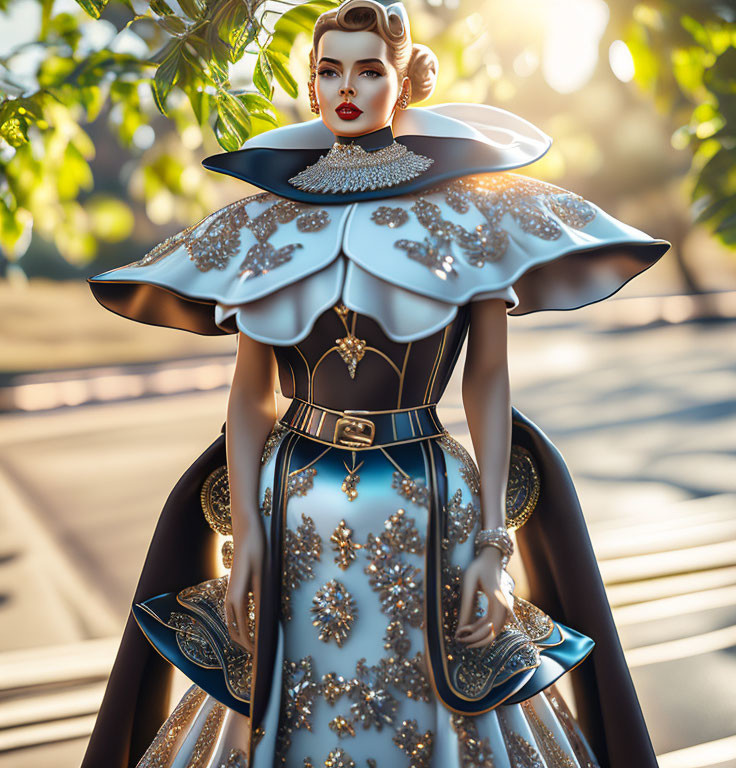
646,421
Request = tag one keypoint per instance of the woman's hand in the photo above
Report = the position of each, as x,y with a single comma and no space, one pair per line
245,577
482,575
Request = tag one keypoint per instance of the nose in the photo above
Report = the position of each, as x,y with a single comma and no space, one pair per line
347,90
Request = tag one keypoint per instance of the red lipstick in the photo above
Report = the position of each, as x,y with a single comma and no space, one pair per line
348,111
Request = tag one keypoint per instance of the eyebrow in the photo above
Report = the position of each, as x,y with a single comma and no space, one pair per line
339,63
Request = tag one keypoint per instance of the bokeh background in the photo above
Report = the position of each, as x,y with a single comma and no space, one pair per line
107,111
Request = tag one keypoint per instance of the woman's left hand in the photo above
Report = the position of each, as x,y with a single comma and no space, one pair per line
482,575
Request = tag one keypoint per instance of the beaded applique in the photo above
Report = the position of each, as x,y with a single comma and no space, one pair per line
213,241
350,168
334,612
415,745
494,196
299,690
548,745
162,747
474,751
302,549
343,545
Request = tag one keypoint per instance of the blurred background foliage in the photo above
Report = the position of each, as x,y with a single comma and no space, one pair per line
108,108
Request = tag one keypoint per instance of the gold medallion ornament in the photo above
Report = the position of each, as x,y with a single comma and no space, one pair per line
215,499
350,168
522,490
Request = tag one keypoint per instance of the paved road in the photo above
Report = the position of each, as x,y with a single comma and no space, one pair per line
647,423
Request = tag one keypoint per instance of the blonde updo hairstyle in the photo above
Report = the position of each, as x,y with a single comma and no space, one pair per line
417,62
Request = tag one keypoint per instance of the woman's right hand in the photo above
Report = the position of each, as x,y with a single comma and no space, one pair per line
245,577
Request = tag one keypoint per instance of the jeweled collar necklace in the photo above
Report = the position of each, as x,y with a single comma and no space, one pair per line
360,163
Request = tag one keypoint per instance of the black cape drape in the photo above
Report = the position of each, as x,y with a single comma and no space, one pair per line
564,581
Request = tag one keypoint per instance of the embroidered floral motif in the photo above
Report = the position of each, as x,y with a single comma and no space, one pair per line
301,550
300,482
342,727
267,504
333,687
339,758
554,755
415,745
272,441
474,751
334,612
193,641
532,620
411,489
399,587
213,241
161,748
435,251
396,640
384,215
408,676
521,753
373,705
498,194
399,534
208,599
263,257
468,470
461,520
299,692
494,195
572,731
343,545
206,739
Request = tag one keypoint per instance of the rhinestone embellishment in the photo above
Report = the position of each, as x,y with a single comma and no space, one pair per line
350,168
352,351
334,612
389,217
343,545
213,241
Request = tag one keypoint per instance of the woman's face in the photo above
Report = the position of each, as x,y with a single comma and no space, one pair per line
356,84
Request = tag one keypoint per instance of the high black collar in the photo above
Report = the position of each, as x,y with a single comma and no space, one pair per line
270,169
379,139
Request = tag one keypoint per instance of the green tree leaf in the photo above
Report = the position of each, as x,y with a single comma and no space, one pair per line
93,8
166,75
233,121
280,68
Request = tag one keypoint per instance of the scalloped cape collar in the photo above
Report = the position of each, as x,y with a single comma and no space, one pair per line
462,139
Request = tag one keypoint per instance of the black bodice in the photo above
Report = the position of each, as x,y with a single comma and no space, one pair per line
348,362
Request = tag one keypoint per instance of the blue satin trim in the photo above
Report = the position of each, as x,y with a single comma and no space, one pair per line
163,639
556,661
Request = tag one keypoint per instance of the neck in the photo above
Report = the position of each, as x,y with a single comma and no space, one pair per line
379,139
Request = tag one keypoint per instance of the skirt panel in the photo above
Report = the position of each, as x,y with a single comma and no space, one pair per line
351,687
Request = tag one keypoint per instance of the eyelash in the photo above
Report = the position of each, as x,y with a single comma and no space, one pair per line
333,73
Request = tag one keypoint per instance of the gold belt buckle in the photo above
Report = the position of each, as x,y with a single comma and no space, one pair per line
354,432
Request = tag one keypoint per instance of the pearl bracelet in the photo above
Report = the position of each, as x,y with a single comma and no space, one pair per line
495,537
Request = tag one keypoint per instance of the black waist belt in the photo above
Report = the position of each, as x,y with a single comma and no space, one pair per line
362,429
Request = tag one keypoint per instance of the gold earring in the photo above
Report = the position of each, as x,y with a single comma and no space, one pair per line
405,97
313,101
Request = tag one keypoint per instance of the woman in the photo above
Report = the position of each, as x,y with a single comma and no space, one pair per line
368,619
